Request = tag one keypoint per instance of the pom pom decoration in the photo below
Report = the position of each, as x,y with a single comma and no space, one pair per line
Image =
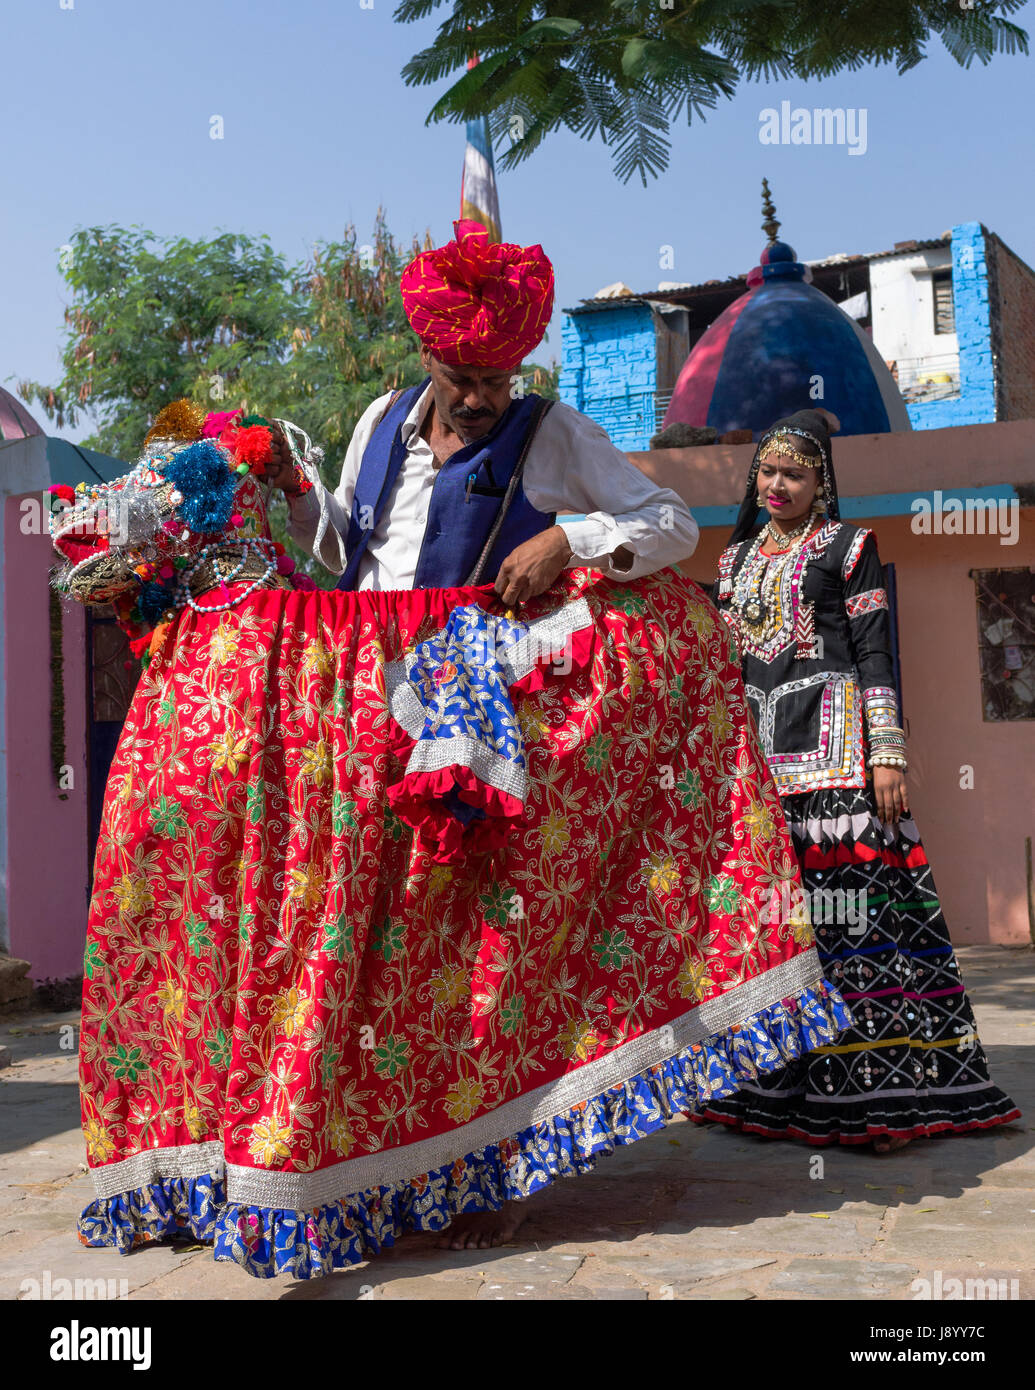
303,583
202,474
181,420
253,446
152,602
285,564
62,491
216,421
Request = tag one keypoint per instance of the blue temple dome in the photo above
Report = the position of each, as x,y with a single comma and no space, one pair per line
785,346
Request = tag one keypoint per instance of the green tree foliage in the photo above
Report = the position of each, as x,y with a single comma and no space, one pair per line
151,320
228,323
625,70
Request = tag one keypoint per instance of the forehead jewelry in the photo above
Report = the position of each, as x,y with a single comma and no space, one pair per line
785,444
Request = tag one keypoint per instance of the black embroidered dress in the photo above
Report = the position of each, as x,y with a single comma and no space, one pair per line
814,637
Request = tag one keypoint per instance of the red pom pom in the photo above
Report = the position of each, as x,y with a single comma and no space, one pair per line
140,644
278,548
237,519
253,446
62,490
285,564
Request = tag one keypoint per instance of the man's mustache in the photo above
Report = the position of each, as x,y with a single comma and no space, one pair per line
463,414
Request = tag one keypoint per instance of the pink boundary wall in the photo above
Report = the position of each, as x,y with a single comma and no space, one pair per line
46,837
974,838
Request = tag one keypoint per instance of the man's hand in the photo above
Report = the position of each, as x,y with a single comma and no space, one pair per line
280,471
889,790
532,567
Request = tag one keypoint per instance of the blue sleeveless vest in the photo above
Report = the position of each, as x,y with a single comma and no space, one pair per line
465,497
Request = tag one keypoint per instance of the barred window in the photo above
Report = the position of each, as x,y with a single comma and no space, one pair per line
944,309
1006,642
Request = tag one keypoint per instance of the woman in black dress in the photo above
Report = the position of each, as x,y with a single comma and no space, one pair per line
805,599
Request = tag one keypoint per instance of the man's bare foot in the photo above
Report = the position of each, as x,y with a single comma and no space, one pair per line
887,1144
480,1230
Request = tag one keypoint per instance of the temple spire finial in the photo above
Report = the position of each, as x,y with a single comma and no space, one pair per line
770,226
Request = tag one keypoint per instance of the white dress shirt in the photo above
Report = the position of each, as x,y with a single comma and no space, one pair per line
571,466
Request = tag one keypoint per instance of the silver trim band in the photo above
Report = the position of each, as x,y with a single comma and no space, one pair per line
153,1165
307,1191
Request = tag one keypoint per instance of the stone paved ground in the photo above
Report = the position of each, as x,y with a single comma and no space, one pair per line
691,1213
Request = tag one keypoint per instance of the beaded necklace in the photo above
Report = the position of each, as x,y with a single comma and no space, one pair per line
218,550
756,588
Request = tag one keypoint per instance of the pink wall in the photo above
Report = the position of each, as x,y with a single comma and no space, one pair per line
47,837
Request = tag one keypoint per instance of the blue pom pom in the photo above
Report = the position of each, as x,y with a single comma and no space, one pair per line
203,475
152,601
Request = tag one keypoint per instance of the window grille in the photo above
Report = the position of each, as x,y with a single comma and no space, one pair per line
944,309
1006,643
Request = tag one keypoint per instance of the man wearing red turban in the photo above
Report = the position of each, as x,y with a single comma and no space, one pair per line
460,479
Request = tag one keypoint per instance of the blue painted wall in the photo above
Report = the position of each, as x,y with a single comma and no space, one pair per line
609,371
975,405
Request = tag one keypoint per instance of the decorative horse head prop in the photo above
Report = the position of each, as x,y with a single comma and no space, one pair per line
142,542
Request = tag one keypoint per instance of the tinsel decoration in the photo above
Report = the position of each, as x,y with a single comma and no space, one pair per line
181,420
202,474
57,692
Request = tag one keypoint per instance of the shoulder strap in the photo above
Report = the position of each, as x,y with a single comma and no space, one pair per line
539,411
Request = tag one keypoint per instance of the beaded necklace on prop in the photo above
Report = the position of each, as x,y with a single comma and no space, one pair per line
755,598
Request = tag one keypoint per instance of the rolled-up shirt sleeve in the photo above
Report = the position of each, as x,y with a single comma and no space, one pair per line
573,466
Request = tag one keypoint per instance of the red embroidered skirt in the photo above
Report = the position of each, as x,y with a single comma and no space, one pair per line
306,1028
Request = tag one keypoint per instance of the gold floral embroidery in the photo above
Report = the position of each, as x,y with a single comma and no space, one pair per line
269,1145
464,1099
99,1144
316,763
291,1012
229,752
225,641
133,895
663,875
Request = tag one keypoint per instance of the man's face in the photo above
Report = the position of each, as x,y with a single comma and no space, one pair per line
469,400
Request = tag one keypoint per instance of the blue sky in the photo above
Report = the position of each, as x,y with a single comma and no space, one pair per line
106,110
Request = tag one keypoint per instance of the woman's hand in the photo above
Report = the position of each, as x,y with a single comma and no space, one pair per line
889,790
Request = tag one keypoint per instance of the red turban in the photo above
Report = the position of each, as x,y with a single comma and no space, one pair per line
476,303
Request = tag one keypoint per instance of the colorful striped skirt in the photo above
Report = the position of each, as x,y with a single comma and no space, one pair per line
913,1064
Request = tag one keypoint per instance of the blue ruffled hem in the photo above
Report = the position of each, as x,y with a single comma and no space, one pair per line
305,1245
